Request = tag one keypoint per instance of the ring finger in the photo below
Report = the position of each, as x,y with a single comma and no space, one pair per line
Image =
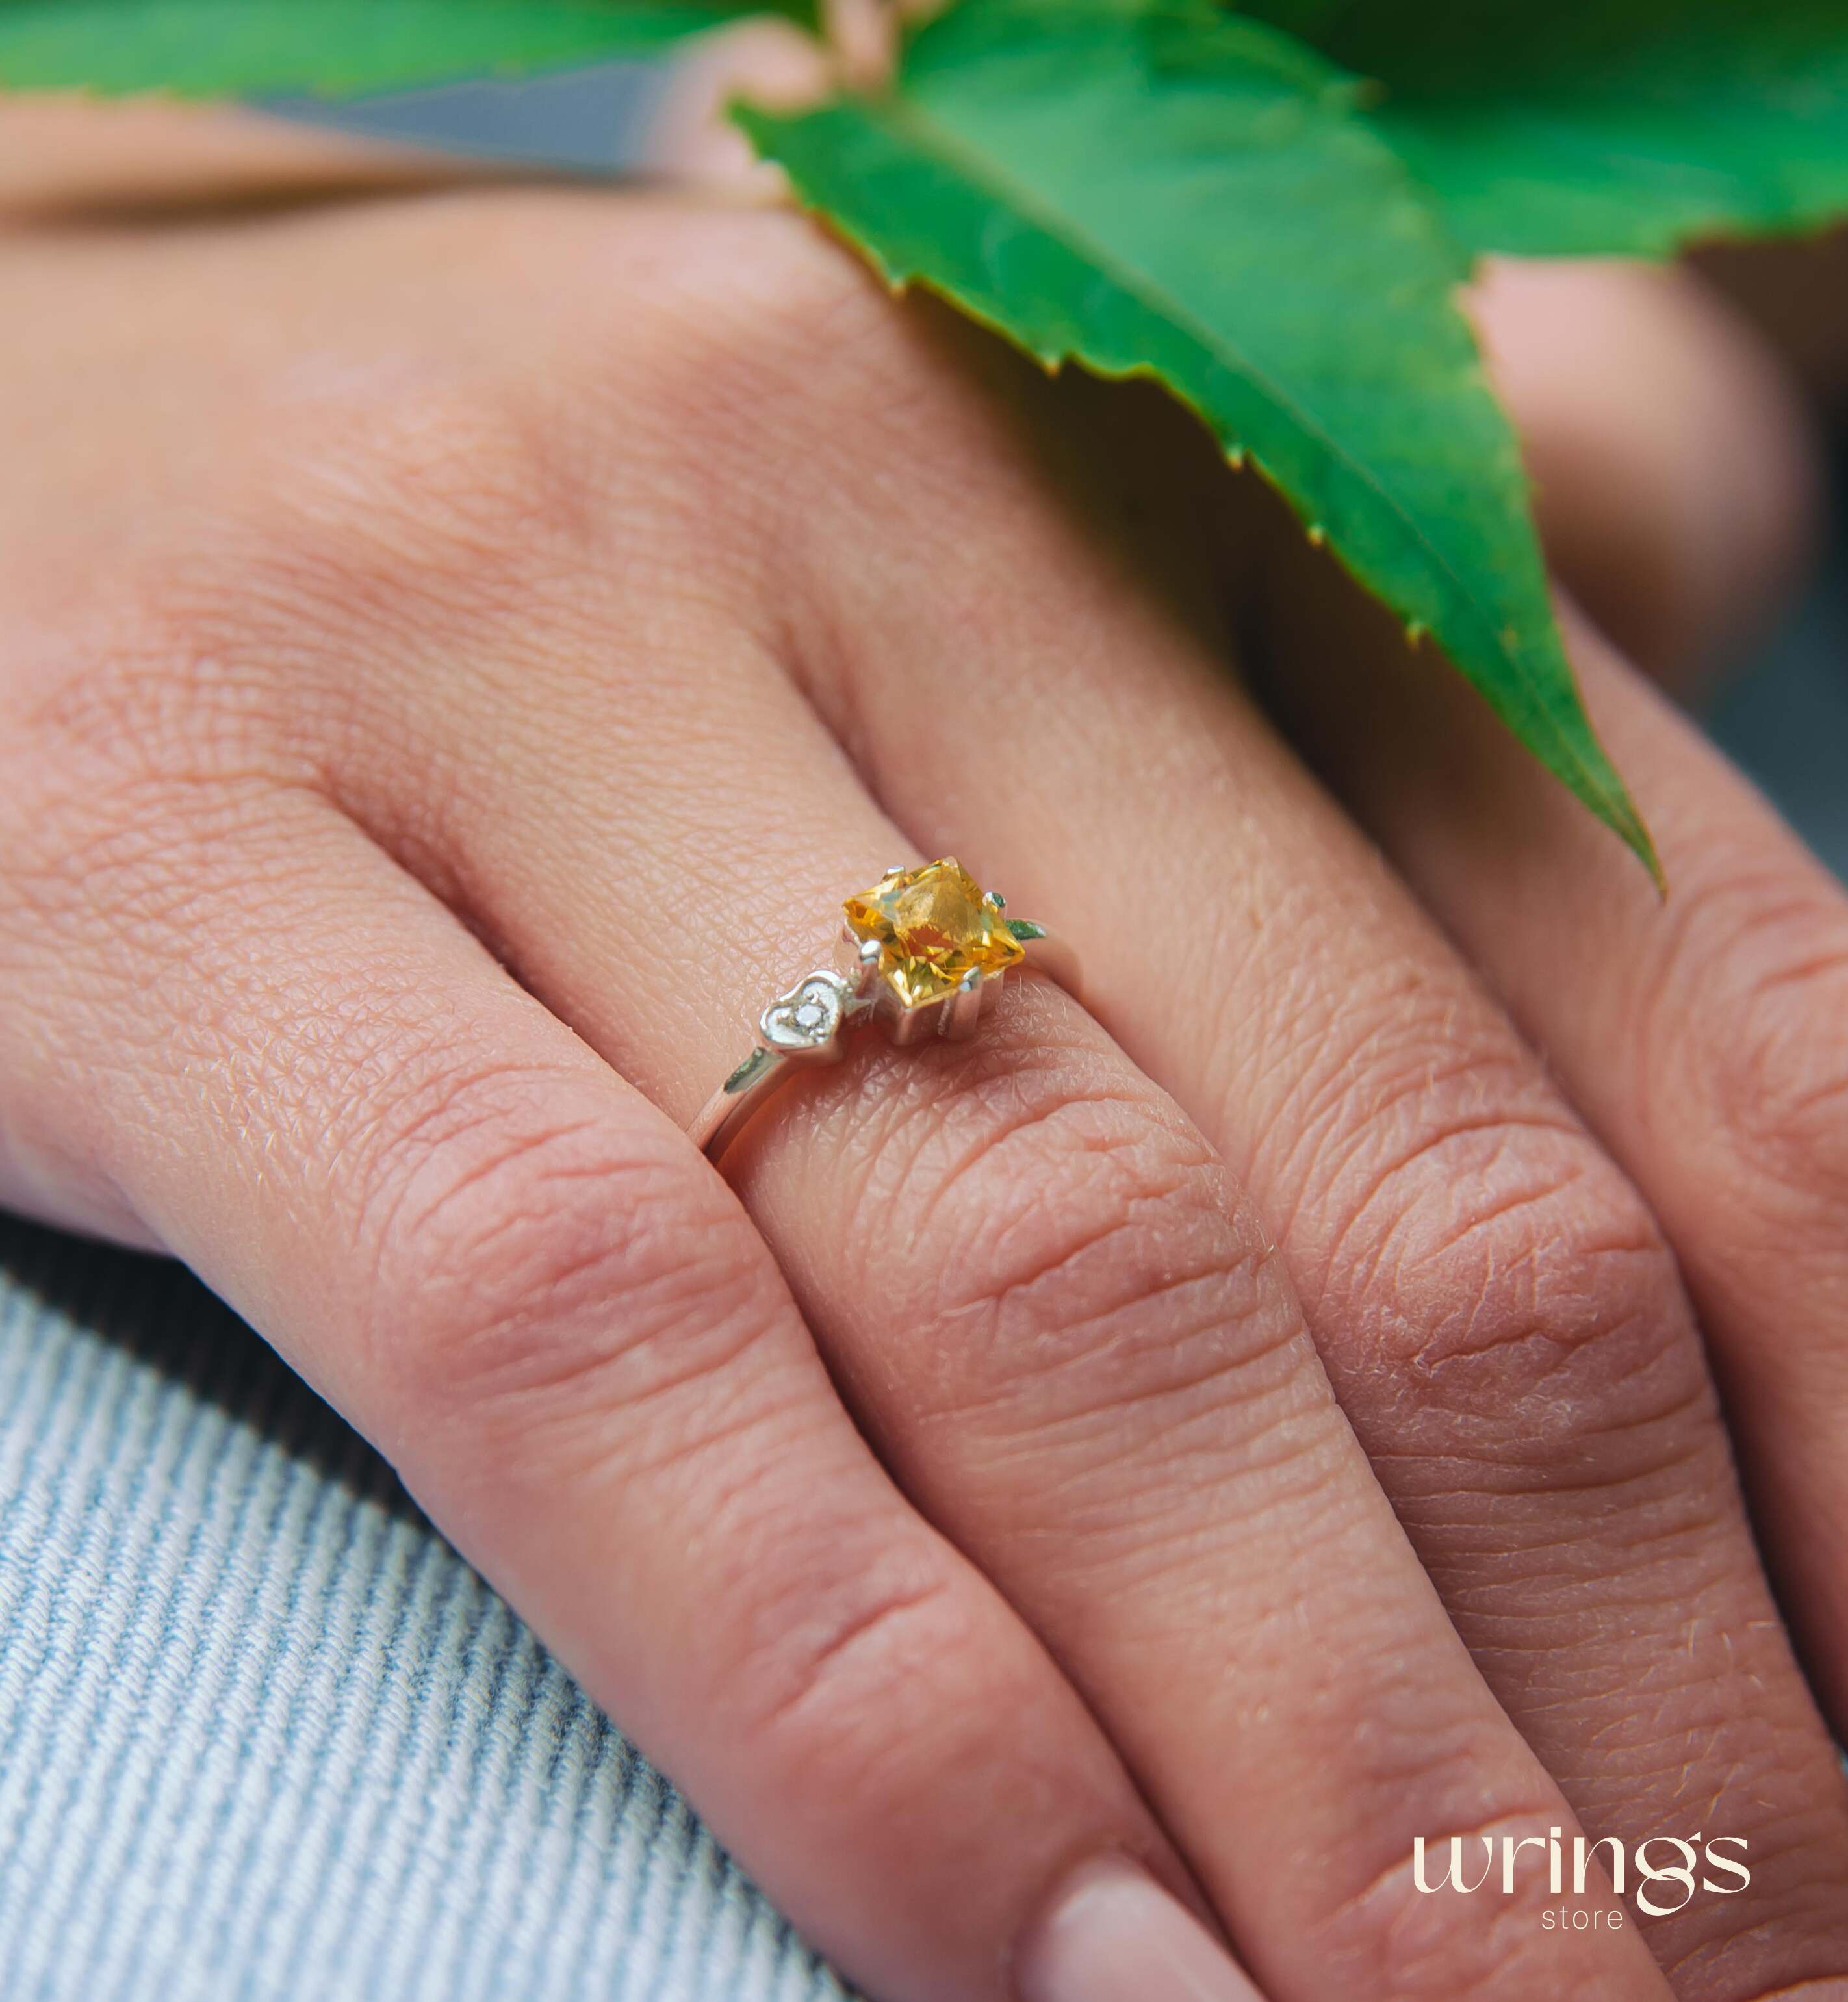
1501,1316
1064,1330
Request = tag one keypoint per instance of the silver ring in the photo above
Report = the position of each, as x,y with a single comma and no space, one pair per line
924,952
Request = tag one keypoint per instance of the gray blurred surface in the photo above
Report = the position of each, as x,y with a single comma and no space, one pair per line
1785,716
592,121
264,1737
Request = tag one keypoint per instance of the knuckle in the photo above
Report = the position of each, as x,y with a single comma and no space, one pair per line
845,1661
436,504
1512,1276
1777,1079
111,872
229,650
1083,1249
139,693
883,1678
461,498
739,309
537,1260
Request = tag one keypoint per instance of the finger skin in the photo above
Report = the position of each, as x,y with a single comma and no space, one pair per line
1064,1330
525,1286
1500,1316
434,529
60,157
1071,1341
1706,1039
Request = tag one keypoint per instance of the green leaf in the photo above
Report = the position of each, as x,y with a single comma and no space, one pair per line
208,48
1591,127
1150,188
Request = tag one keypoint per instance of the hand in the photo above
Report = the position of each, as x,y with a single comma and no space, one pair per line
458,654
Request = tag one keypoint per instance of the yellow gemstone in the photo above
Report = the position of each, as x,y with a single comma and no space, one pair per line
932,925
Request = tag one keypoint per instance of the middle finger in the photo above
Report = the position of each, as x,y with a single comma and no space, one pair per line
1501,1317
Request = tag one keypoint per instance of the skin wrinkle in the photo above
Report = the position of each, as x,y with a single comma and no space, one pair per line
1050,1115
1447,1096
522,1240
812,1672
1543,1303
1618,1348
1370,1594
1384,1060
836,1666
1007,1289
1148,1539
1559,966
1181,1385
1127,1218
1451,1556
1421,1163
1769,1097
868,1631
1329,1131
1286,1456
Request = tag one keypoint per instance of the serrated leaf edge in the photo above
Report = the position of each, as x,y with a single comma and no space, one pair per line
1604,791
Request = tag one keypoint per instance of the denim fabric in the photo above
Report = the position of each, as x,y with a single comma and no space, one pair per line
264,1736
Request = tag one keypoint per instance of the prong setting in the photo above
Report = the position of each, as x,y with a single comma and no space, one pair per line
959,1015
924,954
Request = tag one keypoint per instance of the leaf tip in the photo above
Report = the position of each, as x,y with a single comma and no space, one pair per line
1643,847
1613,806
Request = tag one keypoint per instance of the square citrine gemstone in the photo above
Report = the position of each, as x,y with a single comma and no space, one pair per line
932,925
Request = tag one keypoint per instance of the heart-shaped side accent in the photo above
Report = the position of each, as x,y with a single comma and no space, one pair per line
808,1017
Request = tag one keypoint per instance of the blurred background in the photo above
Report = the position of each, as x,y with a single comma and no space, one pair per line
1784,714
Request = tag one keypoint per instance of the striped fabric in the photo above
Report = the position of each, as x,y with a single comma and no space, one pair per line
263,1735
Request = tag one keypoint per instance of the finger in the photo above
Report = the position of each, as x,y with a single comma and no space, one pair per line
1677,478
690,135
1063,1329
61,158
1500,1316
1705,1038
303,1076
